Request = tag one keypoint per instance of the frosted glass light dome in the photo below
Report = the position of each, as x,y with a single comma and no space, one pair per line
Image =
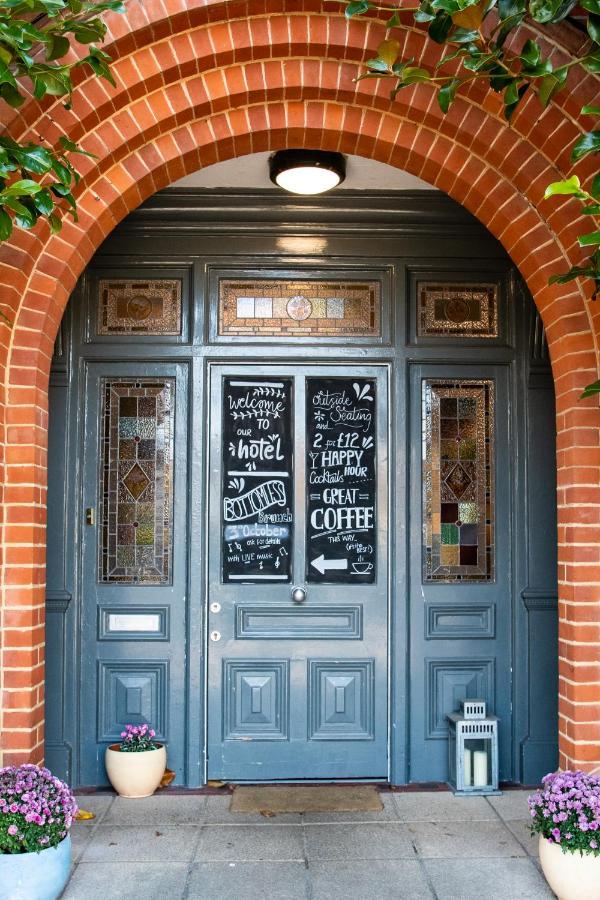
307,171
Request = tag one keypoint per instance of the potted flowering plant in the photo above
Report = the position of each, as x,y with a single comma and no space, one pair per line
36,812
136,766
565,813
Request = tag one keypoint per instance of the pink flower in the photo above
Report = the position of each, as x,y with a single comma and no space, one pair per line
12,830
594,845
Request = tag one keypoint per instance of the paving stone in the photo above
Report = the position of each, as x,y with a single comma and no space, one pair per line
511,804
217,813
377,880
238,843
428,806
127,881
166,810
464,839
99,804
115,843
520,829
250,881
389,813
385,841
496,879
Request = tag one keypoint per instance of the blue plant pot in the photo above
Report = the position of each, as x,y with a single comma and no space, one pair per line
35,876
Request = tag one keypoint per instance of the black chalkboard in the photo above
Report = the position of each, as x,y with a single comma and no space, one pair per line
258,482
341,480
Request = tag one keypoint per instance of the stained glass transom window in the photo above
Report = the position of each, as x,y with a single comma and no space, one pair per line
299,308
135,533
132,306
458,480
463,310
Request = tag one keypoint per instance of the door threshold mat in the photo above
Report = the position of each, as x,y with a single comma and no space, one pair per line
300,798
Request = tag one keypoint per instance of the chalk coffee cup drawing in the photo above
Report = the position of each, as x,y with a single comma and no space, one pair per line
362,568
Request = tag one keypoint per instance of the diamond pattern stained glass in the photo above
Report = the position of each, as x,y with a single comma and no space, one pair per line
299,308
136,471
460,310
458,480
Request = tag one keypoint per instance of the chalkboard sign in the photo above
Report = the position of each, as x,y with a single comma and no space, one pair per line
258,466
341,489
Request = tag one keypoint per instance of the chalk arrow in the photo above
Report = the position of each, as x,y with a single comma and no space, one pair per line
320,564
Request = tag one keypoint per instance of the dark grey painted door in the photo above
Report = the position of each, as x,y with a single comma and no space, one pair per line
133,574
298,683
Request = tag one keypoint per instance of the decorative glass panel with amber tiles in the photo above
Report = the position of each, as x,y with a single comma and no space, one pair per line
136,482
299,308
458,480
132,306
457,310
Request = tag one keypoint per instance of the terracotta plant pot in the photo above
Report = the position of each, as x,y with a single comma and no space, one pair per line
570,875
135,775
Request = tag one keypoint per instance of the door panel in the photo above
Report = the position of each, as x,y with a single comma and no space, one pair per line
460,567
290,510
134,553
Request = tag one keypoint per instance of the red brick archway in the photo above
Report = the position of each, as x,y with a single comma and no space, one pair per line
200,81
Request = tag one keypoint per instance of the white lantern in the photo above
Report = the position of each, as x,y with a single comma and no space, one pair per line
473,750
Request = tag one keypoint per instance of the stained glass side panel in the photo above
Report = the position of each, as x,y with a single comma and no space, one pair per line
136,482
458,480
458,310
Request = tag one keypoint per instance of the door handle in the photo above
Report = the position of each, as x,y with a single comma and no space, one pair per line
298,595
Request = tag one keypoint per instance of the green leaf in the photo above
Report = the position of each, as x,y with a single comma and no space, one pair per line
6,225
531,53
464,36
55,223
440,27
592,6
595,187
415,75
11,95
357,8
569,187
34,159
589,240
59,46
24,186
447,93
591,62
590,110
388,51
44,202
587,143
592,210
546,11
591,390
593,27
377,65
63,172
512,13
550,84
574,272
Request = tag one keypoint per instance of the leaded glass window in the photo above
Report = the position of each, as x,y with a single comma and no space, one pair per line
136,473
458,310
458,480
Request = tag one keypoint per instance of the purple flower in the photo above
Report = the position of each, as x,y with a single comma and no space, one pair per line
594,844
556,834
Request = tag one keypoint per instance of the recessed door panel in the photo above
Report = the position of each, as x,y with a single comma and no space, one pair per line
298,573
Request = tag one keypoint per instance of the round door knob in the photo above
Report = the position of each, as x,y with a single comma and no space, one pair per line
298,595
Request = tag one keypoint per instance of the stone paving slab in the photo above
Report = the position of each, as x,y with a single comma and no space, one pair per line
378,880
122,843
464,839
497,879
248,881
242,844
344,842
421,846
128,881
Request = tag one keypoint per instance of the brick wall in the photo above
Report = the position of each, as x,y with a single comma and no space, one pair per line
200,81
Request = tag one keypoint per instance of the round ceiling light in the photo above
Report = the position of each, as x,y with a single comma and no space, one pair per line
307,171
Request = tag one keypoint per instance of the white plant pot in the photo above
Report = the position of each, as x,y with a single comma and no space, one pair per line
570,875
135,775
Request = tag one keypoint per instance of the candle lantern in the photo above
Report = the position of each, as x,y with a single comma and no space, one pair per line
473,750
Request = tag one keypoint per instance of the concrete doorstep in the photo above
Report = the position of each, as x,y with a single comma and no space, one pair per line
419,846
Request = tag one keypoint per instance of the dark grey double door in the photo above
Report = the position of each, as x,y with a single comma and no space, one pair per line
293,690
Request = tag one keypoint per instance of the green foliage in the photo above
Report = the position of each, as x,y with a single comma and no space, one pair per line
36,181
459,27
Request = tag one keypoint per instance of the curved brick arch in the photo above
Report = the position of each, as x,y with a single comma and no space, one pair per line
196,86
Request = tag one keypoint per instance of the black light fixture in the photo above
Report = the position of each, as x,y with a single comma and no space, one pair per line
307,171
